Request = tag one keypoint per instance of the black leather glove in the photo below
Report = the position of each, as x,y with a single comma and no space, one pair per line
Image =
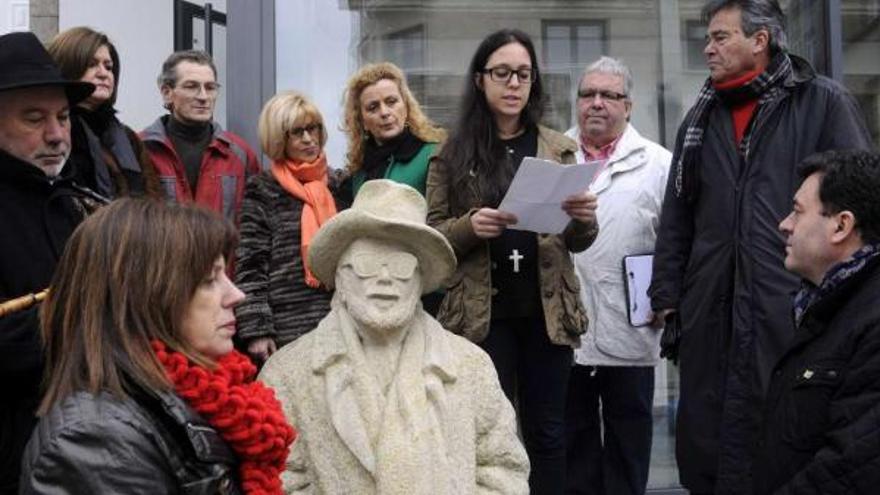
671,337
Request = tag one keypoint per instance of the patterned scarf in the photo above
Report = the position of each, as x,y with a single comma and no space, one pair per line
245,413
809,294
767,87
307,182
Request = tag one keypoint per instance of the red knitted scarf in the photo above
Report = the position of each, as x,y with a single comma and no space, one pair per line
245,413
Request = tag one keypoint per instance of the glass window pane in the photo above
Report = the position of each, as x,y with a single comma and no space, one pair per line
589,41
558,45
861,44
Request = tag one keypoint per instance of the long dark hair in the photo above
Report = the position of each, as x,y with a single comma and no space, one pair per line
474,152
127,276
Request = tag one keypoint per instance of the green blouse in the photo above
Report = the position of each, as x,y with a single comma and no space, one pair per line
412,173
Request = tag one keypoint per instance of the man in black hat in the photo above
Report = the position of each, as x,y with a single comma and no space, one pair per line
41,208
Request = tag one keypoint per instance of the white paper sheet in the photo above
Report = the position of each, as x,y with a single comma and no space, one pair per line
538,188
637,278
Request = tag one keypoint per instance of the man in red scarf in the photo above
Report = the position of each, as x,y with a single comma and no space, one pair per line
718,267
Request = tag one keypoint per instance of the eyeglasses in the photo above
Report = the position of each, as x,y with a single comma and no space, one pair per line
313,129
503,74
401,266
589,94
192,88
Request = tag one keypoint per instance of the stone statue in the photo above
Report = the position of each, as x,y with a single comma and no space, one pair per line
386,401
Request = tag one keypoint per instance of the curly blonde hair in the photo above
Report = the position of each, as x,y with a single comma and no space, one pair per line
419,124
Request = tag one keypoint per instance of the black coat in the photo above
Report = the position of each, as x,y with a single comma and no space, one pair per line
719,261
101,444
108,157
36,218
821,430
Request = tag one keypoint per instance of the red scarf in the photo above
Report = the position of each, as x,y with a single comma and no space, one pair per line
245,413
307,182
742,112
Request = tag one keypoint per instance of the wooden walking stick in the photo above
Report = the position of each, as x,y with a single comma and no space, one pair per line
22,303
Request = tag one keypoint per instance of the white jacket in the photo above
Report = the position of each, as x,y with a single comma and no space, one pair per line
630,191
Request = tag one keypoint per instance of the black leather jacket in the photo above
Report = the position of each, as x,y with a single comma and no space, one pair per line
102,444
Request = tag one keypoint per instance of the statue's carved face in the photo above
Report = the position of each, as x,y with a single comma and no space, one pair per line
380,284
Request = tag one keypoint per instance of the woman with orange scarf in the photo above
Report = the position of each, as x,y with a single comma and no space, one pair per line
282,210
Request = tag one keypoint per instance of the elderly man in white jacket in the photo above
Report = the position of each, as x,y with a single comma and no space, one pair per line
609,447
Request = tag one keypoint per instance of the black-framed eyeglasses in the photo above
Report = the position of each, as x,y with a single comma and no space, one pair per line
503,74
589,94
314,130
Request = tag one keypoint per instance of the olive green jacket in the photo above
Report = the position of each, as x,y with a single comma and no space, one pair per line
466,309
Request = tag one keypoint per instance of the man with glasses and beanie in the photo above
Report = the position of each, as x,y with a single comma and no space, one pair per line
197,161
41,206
386,400
609,410
718,269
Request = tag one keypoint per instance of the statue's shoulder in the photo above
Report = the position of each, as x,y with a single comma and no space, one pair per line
294,359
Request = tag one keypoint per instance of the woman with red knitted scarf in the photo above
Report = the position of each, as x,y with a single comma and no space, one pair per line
145,393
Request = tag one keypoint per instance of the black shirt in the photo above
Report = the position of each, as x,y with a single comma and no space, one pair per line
190,142
514,254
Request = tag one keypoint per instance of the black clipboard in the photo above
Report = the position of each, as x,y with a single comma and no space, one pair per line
636,280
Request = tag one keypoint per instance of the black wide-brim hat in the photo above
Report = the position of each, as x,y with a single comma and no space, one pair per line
25,63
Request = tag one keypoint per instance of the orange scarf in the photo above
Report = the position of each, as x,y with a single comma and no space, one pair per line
307,182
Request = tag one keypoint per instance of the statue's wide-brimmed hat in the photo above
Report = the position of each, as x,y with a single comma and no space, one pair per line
27,64
384,210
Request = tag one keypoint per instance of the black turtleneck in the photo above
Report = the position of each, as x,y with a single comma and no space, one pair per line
190,142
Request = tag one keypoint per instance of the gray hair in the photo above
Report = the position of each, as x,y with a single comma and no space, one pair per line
756,15
168,76
609,65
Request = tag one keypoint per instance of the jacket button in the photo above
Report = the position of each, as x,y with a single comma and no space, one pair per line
548,294
546,264
777,373
494,291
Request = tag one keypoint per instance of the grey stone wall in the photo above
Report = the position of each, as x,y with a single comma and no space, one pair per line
44,18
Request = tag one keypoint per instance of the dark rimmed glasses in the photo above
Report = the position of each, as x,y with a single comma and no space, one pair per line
604,94
503,74
314,130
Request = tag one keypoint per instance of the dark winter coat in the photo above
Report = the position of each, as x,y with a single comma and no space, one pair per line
719,261
36,218
821,431
109,157
269,267
102,444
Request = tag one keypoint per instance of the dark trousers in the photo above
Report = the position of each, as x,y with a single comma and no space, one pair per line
534,375
609,446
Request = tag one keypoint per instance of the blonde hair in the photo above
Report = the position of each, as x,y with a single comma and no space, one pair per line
419,124
281,114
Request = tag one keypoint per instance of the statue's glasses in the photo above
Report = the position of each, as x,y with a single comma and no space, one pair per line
399,265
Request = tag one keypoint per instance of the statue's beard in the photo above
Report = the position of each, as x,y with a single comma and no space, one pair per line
369,315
